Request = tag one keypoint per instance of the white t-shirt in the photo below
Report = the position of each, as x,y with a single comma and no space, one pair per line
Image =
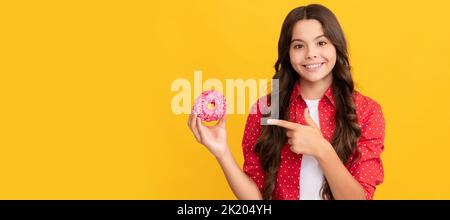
311,175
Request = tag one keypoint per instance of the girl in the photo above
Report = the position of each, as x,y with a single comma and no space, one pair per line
328,141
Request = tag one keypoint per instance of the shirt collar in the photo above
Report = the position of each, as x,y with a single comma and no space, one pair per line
328,93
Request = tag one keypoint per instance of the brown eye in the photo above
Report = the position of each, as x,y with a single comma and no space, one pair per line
322,43
298,46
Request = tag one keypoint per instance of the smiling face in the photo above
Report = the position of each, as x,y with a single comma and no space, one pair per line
312,55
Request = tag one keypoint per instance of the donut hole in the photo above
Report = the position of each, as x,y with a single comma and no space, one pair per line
211,106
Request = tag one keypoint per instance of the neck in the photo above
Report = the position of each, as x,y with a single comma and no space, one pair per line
315,90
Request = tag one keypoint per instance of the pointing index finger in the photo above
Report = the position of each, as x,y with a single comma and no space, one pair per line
282,123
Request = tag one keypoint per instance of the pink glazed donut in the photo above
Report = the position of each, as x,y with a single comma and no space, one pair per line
206,113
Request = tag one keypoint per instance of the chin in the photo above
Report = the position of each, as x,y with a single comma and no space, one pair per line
313,77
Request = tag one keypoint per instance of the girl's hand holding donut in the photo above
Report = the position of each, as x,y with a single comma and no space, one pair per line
214,137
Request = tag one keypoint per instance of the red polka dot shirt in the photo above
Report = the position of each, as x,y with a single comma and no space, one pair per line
368,170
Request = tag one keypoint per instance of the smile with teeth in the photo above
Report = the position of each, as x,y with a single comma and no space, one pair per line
313,66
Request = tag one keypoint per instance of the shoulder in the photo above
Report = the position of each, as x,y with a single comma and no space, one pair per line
253,123
364,101
259,108
255,114
367,109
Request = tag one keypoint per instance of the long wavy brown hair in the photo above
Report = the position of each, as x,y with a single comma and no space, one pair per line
346,131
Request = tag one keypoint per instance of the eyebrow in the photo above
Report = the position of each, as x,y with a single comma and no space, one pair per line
303,41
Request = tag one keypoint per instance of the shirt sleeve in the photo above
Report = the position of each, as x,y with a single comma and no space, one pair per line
252,132
368,169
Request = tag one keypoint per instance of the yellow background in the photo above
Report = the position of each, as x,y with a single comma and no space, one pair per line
85,92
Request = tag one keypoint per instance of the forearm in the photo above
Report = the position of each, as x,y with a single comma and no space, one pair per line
342,184
243,187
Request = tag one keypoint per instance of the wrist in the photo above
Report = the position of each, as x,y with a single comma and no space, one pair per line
222,155
324,152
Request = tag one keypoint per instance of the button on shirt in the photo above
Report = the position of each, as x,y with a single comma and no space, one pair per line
367,170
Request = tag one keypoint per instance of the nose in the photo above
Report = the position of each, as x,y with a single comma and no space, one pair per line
311,53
